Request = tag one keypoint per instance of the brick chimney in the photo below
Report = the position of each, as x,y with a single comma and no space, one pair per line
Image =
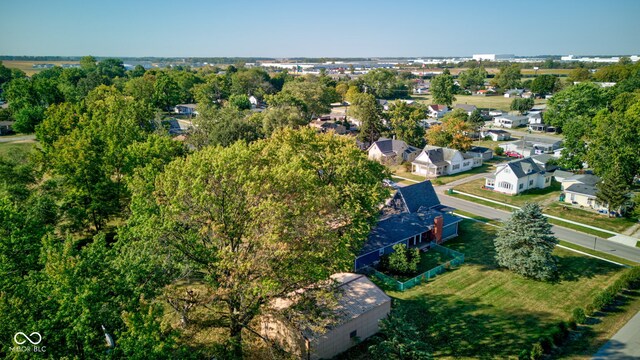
437,228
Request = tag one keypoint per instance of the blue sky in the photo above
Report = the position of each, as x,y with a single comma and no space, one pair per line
318,28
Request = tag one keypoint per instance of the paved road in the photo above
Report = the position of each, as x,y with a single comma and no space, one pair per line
569,235
17,138
624,345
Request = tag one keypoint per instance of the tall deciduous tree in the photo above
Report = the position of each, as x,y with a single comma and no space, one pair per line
612,191
545,84
366,109
405,124
453,133
256,220
442,89
508,77
473,79
525,244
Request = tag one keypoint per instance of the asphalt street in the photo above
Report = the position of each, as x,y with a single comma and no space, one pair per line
562,233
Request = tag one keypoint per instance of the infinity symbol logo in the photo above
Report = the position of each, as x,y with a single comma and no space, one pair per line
15,338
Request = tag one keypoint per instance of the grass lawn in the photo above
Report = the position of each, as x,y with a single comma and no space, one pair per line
536,195
443,180
481,311
483,102
588,217
399,170
17,150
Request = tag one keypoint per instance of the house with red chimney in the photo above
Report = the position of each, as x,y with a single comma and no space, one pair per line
415,217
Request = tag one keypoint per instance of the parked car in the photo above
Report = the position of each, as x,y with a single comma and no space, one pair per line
513,154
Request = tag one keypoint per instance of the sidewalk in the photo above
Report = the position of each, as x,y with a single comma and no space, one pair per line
624,345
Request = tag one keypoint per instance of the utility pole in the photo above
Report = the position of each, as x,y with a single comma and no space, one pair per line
595,240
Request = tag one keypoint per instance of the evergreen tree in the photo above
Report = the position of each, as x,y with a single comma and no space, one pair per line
612,191
525,244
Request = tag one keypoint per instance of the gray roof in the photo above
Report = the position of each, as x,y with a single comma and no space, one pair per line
439,154
562,174
524,167
479,149
498,131
420,195
393,146
466,107
403,226
582,189
514,117
585,179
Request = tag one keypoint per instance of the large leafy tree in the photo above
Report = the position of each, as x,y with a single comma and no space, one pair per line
453,133
473,79
545,84
613,191
442,89
584,99
256,220
310,94
366,109
525,244
405,122
385,84
508,77
166,91
223,126
522,105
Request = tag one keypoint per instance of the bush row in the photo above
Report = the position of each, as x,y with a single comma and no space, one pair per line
560,332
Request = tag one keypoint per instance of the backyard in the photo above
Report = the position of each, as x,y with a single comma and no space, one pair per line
482,311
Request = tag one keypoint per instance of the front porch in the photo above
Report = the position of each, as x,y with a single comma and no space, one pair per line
429,170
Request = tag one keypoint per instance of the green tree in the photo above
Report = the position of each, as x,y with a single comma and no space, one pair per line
384,84
309,94
400,339
166,92
403,260
278,117
223,127
241,102
214,89
525,244
545,84
405,122
612,191
508,77
453,133
476,120
579,74
366,109
242,216
584,99
473,79
88,63
442,89
522,105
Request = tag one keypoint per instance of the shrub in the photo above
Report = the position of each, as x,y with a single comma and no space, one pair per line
589,310
403,260
573,325
498,151
524,354
537,351
579,316
547,344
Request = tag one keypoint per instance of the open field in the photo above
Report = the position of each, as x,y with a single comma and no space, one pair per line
27,66
481,311
482,102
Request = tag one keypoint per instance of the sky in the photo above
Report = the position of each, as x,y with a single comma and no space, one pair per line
320,28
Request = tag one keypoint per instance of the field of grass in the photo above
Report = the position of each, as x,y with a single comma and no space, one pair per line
27,66
545,71
482,102
482,311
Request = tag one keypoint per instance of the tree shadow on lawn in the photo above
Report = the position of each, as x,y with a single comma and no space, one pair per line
468,328
574,268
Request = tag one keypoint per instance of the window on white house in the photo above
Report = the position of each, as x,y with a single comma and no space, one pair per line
521,186
455,167
573,197
505,185
353,334
547,180
530,182
465,164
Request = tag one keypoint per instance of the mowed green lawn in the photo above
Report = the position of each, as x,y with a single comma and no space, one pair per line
17,150
481,311
536,195
498,102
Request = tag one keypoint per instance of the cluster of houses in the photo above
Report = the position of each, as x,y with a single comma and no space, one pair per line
413,216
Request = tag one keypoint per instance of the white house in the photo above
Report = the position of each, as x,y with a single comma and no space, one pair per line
580,190
496,135
531,145
467,108
185,109
437,111
436,161
510,121
513,93
254,101
517,176
390,151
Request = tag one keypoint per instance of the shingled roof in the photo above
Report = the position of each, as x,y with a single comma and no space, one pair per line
524,167
420,195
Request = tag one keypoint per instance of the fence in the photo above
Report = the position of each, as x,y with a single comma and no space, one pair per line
458,259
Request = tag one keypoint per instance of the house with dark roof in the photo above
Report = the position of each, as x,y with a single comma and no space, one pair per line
481,152
390,151
360,305
517,176
185,109
533,145
436,161
415,217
